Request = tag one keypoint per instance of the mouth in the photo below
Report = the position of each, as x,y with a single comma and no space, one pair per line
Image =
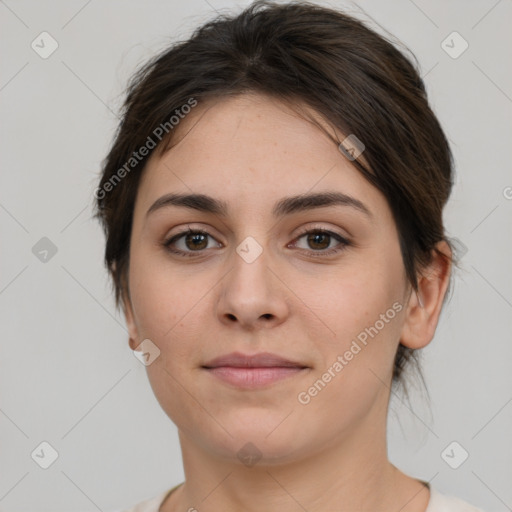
253,371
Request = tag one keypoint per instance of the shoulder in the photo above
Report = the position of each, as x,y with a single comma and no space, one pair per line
438,503
149,505
445,503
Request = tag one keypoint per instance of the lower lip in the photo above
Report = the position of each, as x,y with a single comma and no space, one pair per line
253,378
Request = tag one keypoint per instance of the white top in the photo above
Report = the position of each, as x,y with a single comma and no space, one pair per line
438,503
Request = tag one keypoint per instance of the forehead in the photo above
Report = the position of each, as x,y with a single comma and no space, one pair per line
252,148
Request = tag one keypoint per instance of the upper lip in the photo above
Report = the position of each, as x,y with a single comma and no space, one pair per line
261,360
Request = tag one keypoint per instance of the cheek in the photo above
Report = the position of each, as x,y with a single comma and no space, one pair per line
358,299
365,310
357,365
162,298
171,308
167,308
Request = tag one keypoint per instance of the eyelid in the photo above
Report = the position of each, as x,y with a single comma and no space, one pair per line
179,235
192,229
343,241
318,227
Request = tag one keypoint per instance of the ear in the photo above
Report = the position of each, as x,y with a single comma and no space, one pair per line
128,312
130,321
425,306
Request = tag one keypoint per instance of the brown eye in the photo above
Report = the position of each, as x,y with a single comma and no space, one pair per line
188,242
318,242
196,241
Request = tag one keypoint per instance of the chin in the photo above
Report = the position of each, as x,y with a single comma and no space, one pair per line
266,439
261,451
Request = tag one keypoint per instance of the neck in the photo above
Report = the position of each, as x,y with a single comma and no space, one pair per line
351,472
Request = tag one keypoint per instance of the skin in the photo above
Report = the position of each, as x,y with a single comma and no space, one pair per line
329,454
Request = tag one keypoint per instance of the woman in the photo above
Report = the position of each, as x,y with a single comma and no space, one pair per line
273,211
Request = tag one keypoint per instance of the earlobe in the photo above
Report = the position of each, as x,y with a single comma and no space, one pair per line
425,304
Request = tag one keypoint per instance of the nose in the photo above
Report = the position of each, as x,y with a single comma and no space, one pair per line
252,295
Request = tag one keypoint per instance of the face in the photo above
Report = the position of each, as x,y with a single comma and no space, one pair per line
323,286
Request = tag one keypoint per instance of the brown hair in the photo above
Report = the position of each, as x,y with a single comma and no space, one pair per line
299,53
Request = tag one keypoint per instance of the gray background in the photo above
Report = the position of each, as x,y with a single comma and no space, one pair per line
67,374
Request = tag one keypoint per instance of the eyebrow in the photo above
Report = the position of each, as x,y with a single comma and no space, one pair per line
284,206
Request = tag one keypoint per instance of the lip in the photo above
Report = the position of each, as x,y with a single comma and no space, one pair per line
260,360
253,371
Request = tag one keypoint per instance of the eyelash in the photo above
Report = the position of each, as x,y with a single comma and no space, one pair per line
343,242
